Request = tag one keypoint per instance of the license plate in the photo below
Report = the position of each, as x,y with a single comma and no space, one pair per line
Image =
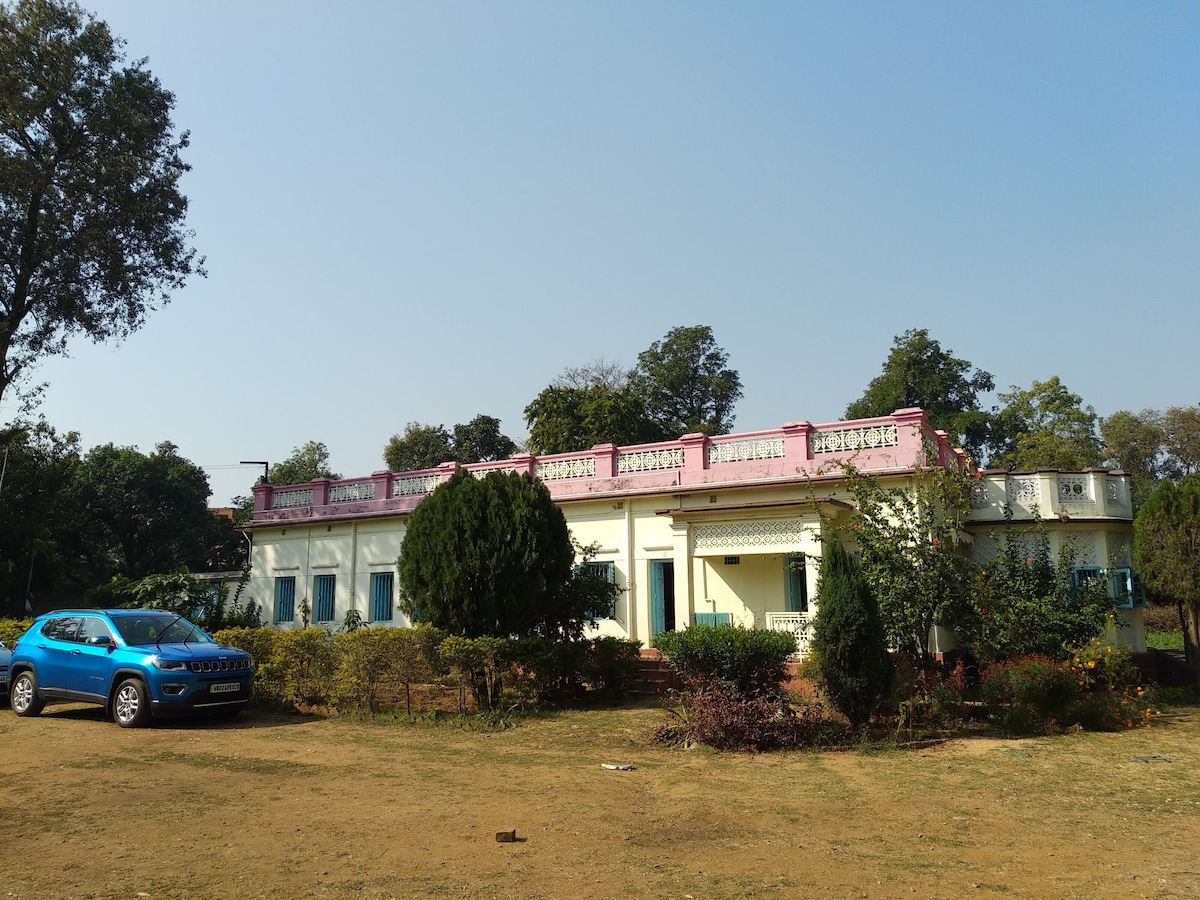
226,687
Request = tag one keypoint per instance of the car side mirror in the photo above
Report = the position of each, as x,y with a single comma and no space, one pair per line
100,640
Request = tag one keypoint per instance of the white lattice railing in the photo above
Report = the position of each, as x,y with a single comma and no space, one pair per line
799,624
650,460
414,485
349,493
1074,489
853,439
291,499
558,469
739,451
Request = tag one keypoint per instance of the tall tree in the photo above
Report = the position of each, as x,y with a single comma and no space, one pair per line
600,371
36,469
426,446
489,556
1133,442
1166,551
918,372
686,383
907,539
1046,426
566,419
139,514
481,440
420,447
1181,440
92,233
307,462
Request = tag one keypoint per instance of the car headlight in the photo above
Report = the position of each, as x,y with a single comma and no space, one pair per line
169,665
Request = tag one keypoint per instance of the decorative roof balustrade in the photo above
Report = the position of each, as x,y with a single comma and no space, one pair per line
796,451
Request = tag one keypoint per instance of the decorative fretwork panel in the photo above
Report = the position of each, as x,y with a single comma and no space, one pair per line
740,451
349,493
1074,489
415,485
557,469
1115,494
1022,490
649,460
853,439
768,534
798,624
1084,543
291,499
980,495
986,548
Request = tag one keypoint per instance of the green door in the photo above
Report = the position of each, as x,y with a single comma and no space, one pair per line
662,596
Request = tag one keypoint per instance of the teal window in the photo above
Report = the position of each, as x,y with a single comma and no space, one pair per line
381,596
1127,589
605,570
711,618
323,587
797,582
285,599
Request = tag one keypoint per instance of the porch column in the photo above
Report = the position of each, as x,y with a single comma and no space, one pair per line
682,558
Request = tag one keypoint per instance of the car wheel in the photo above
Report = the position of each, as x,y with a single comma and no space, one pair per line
23,695
131,704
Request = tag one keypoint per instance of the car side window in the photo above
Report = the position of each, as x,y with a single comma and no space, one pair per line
93,627
62,628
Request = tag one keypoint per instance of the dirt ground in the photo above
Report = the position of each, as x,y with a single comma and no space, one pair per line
284,807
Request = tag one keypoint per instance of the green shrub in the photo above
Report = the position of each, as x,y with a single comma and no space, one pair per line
477,665
11,629
307,660
748,660
611,665
724,718
1031,694
848,637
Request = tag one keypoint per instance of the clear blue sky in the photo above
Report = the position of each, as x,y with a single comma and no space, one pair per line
421,212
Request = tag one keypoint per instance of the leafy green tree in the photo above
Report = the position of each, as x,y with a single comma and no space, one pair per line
137,514
427,446
1134,442
1046,426
481,440
908,543
307,463
686,384
1181,441
567,419
1027,602
487,556
918,372
600,371
420,447
210,606
36,468
92,233
848,638
1166,551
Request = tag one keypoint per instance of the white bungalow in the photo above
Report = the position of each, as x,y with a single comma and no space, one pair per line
721,529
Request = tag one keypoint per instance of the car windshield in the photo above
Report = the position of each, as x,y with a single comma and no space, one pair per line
158,629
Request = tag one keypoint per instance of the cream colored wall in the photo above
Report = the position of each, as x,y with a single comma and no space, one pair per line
746,591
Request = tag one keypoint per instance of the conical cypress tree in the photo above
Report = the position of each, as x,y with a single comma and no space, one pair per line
848,637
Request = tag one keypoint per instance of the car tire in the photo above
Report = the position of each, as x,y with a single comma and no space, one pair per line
131,703
23,695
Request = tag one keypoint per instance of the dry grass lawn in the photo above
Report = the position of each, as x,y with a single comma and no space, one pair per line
283,807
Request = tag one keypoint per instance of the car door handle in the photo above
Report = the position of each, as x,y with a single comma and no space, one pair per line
76,652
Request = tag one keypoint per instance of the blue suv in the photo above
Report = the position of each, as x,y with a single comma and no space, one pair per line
134,662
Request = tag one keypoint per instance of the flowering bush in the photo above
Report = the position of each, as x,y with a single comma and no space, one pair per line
1027,603
1031,694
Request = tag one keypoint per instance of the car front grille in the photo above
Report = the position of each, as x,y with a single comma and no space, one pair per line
220,665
